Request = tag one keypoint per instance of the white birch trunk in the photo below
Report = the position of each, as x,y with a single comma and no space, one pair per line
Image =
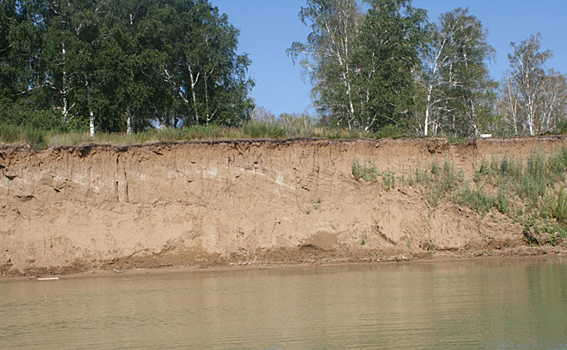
91,123
194,81
130,125
64,108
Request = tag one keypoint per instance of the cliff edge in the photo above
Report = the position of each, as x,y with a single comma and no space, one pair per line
71,209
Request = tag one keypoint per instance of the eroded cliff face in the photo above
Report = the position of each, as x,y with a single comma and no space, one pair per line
201,203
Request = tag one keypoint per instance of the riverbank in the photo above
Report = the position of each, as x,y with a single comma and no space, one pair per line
535,254
233,203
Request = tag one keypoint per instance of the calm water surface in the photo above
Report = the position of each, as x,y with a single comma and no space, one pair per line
510,304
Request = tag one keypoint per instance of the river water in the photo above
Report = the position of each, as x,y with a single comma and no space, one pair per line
484,304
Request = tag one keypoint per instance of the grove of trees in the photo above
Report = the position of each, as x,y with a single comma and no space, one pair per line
390,67
132,65
120,65
534,100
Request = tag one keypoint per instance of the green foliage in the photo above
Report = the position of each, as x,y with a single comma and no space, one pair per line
539,232
361,64
388,68
459,95
561,127
436,182
262,129
296,124
531,185
327,57
363,171
530,180
36,138
513,187
9,133
388,181
364,238
477,199
388,38
123,64
391,131
534,99
559,207
503,202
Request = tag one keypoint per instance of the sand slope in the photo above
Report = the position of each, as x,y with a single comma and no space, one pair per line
71,209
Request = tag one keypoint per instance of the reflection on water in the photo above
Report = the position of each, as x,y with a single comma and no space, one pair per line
511,304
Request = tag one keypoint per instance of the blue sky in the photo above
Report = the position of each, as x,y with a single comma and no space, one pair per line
268,27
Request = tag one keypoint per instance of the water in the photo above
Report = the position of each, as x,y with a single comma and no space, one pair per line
506,304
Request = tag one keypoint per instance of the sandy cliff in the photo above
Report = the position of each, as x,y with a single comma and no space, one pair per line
231,202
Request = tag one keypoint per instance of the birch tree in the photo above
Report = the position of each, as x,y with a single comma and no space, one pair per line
327,56
509,103
553,100
454,75
531,96
203,68
70,46
121,65
389,38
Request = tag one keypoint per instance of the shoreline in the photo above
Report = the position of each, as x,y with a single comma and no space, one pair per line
525,253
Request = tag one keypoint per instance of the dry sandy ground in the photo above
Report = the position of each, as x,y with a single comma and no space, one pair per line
242,203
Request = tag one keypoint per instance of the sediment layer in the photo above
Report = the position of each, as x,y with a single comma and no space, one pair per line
70,209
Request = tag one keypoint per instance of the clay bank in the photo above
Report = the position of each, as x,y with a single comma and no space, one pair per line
240,202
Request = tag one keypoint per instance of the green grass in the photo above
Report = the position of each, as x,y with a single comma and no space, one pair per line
477,199
40,139
532,191
560,207
388,181
364,171
437,182
37,139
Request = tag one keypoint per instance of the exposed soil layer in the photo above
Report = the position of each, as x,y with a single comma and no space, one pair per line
242,202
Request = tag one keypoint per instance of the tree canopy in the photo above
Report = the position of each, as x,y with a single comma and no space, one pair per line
376,66
361,65
120,65
389,67
454,75
534,100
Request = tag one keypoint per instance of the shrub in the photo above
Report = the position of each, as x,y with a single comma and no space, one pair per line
365,172
560,212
